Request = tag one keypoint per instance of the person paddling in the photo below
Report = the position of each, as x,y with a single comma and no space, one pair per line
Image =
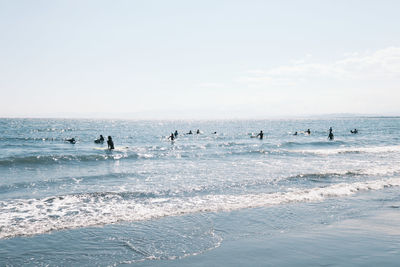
100,140
71,140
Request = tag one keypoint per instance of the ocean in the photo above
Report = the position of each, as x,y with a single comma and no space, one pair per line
218,198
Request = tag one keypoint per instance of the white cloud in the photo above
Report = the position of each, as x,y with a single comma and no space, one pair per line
379,65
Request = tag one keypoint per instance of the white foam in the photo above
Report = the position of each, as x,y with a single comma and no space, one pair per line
37,216
372,150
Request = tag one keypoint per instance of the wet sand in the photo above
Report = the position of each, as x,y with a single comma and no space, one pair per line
372,240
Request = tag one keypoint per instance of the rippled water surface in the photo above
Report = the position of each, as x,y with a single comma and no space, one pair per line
151,199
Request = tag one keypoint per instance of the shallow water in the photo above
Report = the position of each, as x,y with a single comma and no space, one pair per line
152,200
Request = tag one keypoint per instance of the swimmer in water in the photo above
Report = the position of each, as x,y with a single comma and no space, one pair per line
71,140
110,143
261,135
100,140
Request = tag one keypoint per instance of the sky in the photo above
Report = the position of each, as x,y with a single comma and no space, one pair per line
208,59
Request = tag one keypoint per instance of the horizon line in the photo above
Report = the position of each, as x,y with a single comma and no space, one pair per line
121,116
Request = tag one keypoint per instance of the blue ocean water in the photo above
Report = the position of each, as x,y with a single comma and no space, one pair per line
153,201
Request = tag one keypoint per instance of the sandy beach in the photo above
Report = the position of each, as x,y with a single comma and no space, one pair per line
373,240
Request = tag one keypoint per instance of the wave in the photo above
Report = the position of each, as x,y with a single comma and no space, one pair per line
38,216
352,150
198,189
199,150
193,151
68,180
48,159
60,130
231,144
318,176
42,139
322,152
101,153
326,143
370,172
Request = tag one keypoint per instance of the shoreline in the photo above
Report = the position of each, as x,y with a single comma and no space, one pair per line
372,240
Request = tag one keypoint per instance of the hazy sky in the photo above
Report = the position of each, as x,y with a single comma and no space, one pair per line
199,59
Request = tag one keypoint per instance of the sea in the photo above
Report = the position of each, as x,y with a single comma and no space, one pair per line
222,197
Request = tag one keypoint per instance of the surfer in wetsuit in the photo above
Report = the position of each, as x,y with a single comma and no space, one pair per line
190,132
308,131
330,135
198,131
176,133
172,137
71,140
110,143
295,133
100,140
261,135
354,131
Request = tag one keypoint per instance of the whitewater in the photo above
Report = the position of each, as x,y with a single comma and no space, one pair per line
153,200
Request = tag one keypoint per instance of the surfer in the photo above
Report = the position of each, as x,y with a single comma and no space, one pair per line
295,133
190,132
176,133
330,135
172,137
261,135
71,140
198,131
308,131
100,140
110,143
354,131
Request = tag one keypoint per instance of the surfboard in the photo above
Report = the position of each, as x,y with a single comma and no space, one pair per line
117,148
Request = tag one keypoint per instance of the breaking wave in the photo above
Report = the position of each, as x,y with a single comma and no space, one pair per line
37,216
